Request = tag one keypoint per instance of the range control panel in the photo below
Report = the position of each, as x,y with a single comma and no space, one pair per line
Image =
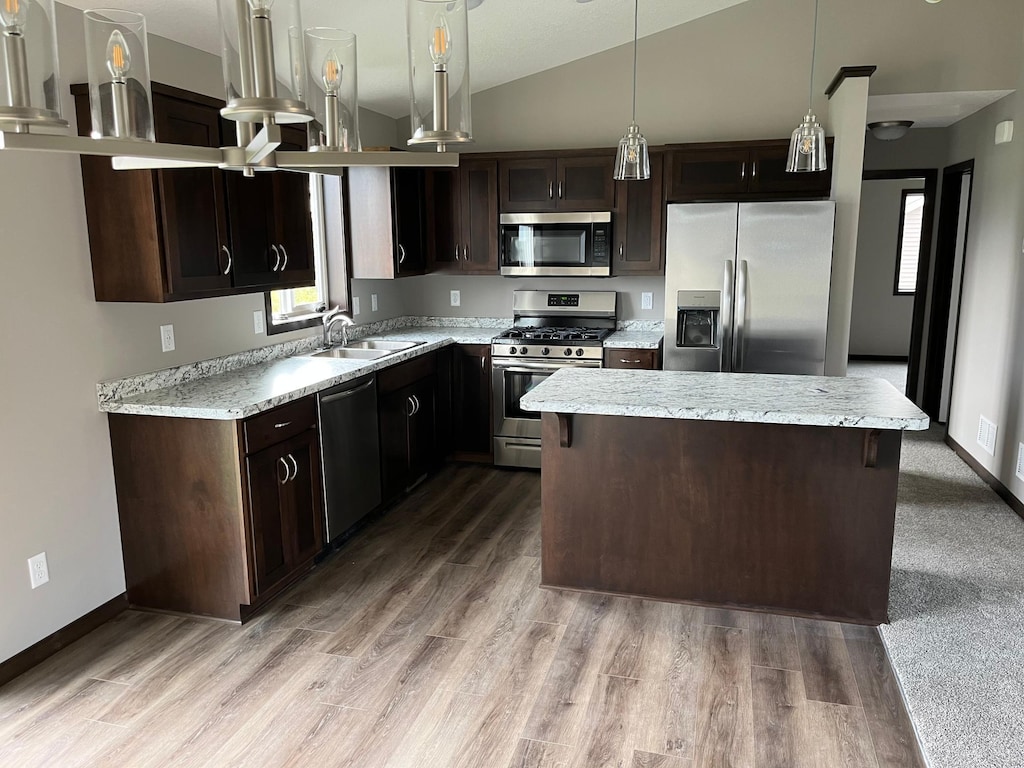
563,299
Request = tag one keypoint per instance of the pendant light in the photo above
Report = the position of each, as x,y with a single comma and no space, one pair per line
807,147
633,162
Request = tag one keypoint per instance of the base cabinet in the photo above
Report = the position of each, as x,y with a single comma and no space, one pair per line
633,359
472,422
408,424
217,517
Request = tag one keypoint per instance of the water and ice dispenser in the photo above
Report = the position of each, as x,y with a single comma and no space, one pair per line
698,330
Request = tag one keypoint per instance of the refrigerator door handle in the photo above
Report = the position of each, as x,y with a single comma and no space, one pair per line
728,282
739,338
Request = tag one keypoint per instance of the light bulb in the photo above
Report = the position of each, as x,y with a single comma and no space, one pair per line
119,60
441,41
14,14
331,73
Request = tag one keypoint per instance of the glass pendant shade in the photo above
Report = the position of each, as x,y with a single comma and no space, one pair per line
29,74
439,72
117,54
633,161
332,91
264,65
807,147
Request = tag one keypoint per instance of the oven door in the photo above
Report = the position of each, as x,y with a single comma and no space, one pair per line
551,245
511,380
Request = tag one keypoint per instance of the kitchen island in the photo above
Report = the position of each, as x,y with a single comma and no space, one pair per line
762,492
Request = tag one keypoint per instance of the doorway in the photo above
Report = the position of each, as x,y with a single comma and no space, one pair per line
944,320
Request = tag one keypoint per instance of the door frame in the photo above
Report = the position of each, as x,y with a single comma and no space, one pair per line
942,290
931,185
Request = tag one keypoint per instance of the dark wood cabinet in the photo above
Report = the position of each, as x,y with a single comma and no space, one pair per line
462,216
639,246
217,516
740,171
472,423
387,222
561,183
158,236
408,429
632,359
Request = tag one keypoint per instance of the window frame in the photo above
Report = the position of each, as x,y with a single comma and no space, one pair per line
906,193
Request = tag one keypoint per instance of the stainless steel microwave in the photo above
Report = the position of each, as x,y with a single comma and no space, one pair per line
556,244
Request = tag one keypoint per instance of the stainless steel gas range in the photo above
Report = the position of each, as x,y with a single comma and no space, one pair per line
552,330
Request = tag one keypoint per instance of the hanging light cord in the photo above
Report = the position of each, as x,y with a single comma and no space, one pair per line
636,33
814,52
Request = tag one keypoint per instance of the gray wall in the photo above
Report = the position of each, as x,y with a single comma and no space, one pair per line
881,321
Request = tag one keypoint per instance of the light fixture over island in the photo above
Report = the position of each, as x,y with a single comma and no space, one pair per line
754,491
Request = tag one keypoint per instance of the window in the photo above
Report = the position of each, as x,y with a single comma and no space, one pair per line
909,241
295,308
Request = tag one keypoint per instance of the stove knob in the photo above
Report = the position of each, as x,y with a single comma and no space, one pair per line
579,353
545,351
513,351
568,352
523,350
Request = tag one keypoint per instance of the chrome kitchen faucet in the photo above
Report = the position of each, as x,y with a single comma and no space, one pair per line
336,315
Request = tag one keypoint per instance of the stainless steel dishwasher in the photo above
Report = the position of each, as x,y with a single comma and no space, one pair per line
351,453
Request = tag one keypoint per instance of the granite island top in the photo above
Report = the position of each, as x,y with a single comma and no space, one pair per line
739,397
630,339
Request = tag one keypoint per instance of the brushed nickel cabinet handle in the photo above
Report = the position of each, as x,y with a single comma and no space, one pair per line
456,251
622,252
561,190
551,190
753,170
227,269
465,253
287,471
282,425
295,467
277,258
401,254
743,170
284,264
412,406
629,362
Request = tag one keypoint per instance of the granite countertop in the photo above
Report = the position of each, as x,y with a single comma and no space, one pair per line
634,340
740,397
246,391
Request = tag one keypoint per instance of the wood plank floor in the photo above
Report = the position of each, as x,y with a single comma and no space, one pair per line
427,642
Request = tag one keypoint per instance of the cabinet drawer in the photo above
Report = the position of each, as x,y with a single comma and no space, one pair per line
397,376
638,359
279,424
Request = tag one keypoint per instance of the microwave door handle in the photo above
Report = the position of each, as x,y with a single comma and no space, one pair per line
726,317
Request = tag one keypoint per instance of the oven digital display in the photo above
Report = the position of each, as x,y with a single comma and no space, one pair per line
563,299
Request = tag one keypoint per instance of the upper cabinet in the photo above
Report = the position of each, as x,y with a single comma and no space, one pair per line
564,183
387,222
189,233
740,171
462,217
638,248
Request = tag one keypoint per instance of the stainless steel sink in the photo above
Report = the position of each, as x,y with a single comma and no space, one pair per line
390,346
351,353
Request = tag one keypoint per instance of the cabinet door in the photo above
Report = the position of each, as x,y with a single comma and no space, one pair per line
192,210
471,396
586,184
638,225
293,219
422,431
768,175
708,174
408,209
479,216
444,231
251,205
527,186
394,411
301,503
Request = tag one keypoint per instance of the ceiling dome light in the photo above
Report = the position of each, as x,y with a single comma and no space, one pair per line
890,130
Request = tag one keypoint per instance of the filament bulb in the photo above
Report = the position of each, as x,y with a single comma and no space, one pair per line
119,61
14,15
331,72
441,41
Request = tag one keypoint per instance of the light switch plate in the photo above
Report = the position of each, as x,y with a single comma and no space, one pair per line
258,325
167,338
355,305
456,298
373,302
646,300
38,570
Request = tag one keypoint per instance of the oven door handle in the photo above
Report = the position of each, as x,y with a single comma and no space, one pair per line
517,367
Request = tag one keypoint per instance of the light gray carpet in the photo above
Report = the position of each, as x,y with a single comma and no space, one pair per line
894,373
957,608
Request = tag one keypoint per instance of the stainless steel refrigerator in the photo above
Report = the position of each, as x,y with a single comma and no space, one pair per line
747,286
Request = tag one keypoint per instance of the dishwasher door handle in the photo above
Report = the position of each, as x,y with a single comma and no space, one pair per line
347,393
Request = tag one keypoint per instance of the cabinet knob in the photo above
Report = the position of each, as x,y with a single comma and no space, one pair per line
277,258
227,269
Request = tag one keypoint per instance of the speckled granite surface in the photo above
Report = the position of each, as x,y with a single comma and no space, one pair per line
634,339
251,389
743,397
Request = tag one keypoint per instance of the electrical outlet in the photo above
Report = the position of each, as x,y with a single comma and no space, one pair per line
456,298
355,305
1020,462
167,338
38,571
646,300
373,302
987,433
257,322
